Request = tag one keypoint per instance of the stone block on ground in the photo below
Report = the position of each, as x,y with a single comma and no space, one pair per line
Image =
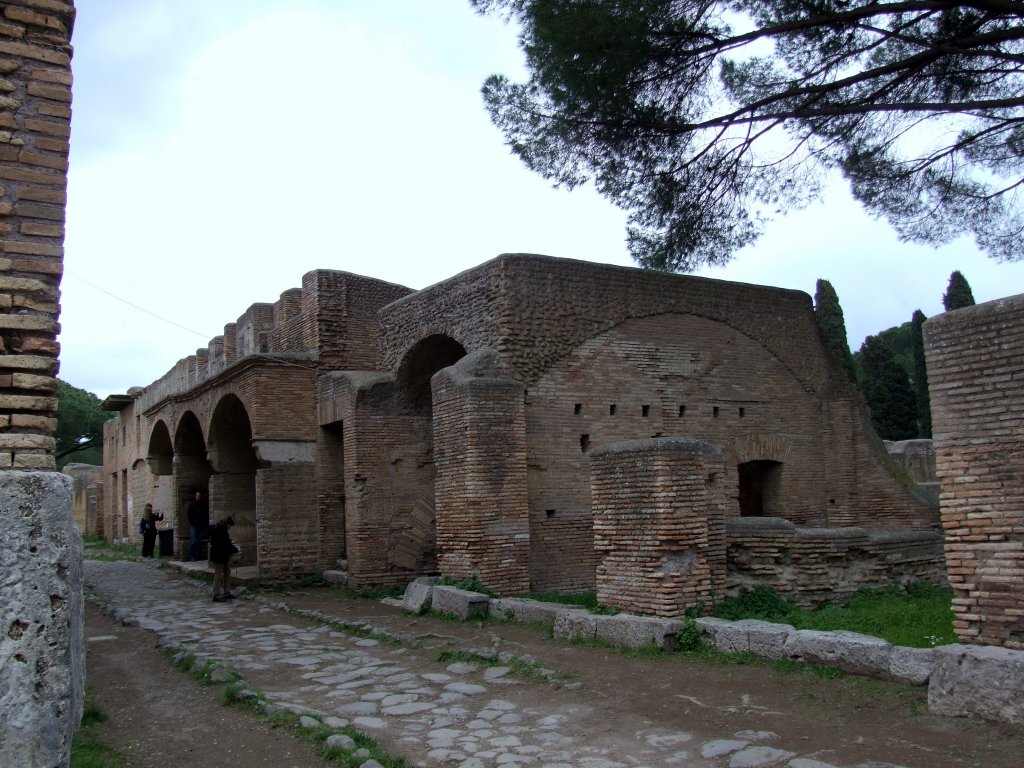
417,597
336,577
724,636
524,610
766,639
632,631
460,603
911,665
978,681
575,624
850,651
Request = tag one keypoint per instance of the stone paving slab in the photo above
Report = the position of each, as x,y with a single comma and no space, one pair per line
458,714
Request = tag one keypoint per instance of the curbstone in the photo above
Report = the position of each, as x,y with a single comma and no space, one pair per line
850,651
524,610
460,603
637,631
575,624
978,680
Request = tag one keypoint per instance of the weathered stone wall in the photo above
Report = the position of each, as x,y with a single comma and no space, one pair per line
659,515
816,565
42,656
285,502
976,381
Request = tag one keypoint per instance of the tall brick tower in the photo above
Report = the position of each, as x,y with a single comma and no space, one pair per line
41,649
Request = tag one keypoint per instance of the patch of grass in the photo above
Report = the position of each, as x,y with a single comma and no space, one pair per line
97,548
365,593
312,581
87,749
920,617
470,584
586,600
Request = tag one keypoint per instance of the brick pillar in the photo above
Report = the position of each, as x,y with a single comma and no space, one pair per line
481,496
41,647
658,524
976,383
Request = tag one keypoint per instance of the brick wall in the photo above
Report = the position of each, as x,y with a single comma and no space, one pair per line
976,383
287,540
658,516
35,117
480,459
816,565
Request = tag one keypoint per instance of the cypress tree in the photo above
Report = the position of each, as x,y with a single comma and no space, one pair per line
829,315
958,292
924,406
888,391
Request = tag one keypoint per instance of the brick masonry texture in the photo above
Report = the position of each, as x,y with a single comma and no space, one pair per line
977,392
35,97
453,428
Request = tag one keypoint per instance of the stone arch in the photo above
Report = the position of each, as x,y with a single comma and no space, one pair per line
191,474
160,453
425,358
233,483
415,544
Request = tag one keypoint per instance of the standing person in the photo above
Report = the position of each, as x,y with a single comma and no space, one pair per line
198,522
147,527
221,550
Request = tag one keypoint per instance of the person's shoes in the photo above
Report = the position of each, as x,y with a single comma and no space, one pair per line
218,599
229,596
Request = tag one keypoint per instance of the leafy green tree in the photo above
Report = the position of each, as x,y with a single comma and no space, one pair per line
920,378
888,391
829,314
958,293
704,118
79,425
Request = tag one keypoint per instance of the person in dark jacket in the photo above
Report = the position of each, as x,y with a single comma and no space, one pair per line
221,551
147,525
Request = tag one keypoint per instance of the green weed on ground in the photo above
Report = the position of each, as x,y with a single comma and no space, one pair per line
87,750
919,617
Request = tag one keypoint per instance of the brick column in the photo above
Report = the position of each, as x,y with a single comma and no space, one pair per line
481,497
35,123
658,524
976,383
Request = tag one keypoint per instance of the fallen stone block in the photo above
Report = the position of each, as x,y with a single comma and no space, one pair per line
336,577
978,681
637,631
850,651
524,610
460,603
418,597
575,624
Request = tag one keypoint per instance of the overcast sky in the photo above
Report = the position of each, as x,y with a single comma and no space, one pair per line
223,148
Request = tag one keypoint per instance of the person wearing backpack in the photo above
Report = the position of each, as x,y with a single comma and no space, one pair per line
147,527
221,551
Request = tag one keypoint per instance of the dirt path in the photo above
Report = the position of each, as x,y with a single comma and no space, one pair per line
158,717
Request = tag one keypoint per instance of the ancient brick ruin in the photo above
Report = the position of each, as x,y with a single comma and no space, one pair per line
452,429
977,393
42,655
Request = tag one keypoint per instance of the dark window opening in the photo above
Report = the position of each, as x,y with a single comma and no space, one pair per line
682,411
759,488
577,409
549,512
584,443
611,409
743,412
645,411
714,411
